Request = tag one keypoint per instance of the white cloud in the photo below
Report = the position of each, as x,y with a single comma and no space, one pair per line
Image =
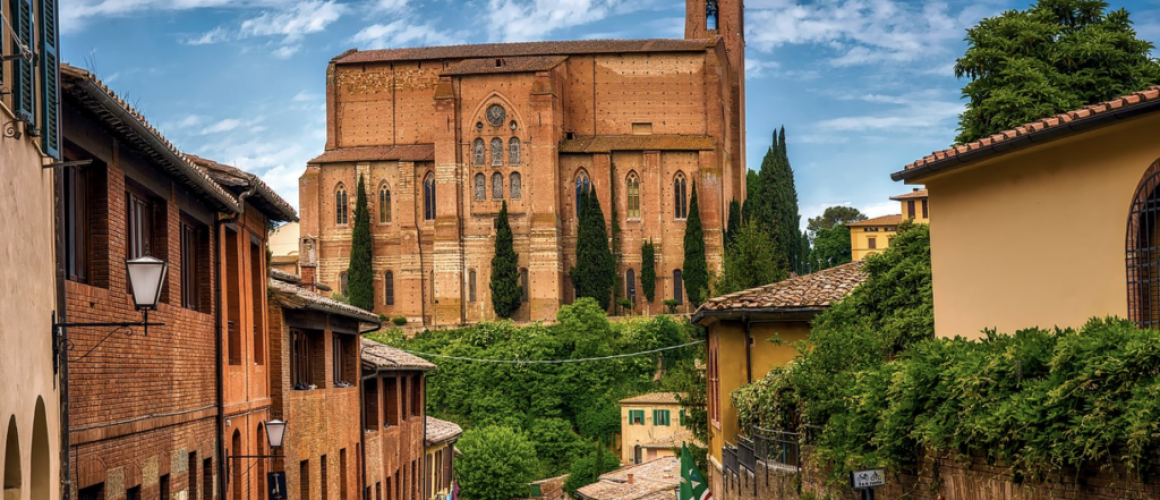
218,34
881,208
402,33
525,20
229,124
305,96
285,51
184,123
917,115
755,68
75,13
295,22
390,5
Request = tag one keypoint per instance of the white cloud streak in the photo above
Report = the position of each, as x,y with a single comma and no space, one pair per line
402,33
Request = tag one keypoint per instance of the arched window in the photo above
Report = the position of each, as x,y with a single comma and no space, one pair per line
341,207
480,187
497,152
477,152
711,15
517,185
678,287
514,151
630,285
497,186
680,198
471,286
342,284
524,285
1143,252
389,288
582,186
385,204
633,196
429,197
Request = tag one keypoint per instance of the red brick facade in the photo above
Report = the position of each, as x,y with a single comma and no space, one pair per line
632,117
394,434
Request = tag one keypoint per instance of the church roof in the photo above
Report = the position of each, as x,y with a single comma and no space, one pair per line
523,49
402,152
490,66
609,143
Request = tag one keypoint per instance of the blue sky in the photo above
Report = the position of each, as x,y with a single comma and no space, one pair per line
863,87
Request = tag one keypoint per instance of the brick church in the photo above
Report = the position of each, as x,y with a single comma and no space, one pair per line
443,135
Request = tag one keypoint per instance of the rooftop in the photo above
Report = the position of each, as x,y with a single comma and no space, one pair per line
439,431
385,357
492,50
283,288
609,143
653,397
401,152
652,480
885,220
913,195
810,293
1036,132
238,181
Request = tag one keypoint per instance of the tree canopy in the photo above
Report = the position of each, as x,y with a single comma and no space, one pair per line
831,247
750,261
498,462
833,216
1056,56
361,273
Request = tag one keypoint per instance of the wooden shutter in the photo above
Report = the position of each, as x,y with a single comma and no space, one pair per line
22,84
49,78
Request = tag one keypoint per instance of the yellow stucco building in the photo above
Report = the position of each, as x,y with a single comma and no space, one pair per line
651,426
739,328
1005,205
439,446
873,236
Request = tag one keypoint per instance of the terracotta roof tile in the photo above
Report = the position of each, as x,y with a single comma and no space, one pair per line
523,49
653,397
292,296
439,431
239,180
609,143
652,480
1087,112
402,152
913,195
285,276
387,357
488,66
885,220
811,291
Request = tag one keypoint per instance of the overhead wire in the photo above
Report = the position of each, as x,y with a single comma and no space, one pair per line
550,361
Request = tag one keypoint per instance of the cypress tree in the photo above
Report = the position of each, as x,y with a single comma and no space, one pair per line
734,222
506,291
789,217
804,254
648,270
695,270
774,201
595,269
360,274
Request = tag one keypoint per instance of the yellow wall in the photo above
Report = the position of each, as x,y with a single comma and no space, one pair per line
632,435
1036,237
731,367
433,486
860,240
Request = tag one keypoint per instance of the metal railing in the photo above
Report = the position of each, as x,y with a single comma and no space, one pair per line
779,447
745,455
729,456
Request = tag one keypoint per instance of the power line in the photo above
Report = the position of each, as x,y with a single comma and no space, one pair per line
550,361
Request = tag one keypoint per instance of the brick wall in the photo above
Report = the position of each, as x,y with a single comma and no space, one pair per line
393,449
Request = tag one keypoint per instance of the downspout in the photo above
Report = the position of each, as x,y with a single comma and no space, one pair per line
748,351
223,483
423,455
362,430
60,337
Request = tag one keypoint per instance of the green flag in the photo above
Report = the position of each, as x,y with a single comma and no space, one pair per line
694,486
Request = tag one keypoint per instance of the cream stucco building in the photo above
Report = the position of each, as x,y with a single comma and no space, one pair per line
651,426
874,236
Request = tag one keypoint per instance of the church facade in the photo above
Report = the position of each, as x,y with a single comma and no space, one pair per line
443,136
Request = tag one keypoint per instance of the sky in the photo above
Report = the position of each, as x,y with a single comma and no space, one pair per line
862,87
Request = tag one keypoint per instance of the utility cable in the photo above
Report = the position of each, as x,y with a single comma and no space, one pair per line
550,361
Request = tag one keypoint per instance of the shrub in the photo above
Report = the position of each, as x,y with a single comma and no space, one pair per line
671,305
399,320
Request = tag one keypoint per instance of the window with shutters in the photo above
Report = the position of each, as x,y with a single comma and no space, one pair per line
429,197
514,151
391,398
49,62
139,219
517,185
680,198
497,152
385,204
497,186
910,209
661,417
76,214
302,358
633,196
194,278
341,207
389,288
635,417
23,80
925,213
873,242
416,395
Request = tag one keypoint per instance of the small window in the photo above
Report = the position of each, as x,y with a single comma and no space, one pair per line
429,197
582,186
300,360
480,187
389,288
514,151
873,242
497,186
76,208
680,198
524,285
342,285
661,417
193,238
517,185
341,207
416,395
385,205
630,285
478,150
391,398
910,209
678,287
635,417
681,418
139,222
497,152
925,214
471,286
633,196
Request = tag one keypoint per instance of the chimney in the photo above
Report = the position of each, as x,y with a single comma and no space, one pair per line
630,479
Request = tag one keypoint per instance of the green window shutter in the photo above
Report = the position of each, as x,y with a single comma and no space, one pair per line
22,77
534,491
49,78
656,417
681,417
665,417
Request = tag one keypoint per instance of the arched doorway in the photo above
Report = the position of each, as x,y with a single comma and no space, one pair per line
12,473
41,459
238,471
1143,251
260,444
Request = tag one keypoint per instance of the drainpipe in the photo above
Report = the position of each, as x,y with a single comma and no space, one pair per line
60,337
223,484
748,351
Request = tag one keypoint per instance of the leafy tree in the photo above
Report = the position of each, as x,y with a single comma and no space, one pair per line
497,463
506,291
751,261
361,274
831,247
648,270
1059,55
695,269
599,420
556,445
734,222
587,470
595,270
833,216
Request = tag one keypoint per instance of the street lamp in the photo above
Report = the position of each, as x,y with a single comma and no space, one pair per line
146,276
275,481
275,431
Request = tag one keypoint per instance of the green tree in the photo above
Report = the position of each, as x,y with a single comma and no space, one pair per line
695,269
361,274
751,261
595,270
805,252
734,222
648,270
556,445
506,291
1059,55
833,216
497,463
587,470
831,247
774,200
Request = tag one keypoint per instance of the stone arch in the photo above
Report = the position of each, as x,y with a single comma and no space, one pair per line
495,97
1141,252
13,476
41,473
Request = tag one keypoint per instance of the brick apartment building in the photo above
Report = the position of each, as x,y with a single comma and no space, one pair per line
315,372
394,417
443,135
147,410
